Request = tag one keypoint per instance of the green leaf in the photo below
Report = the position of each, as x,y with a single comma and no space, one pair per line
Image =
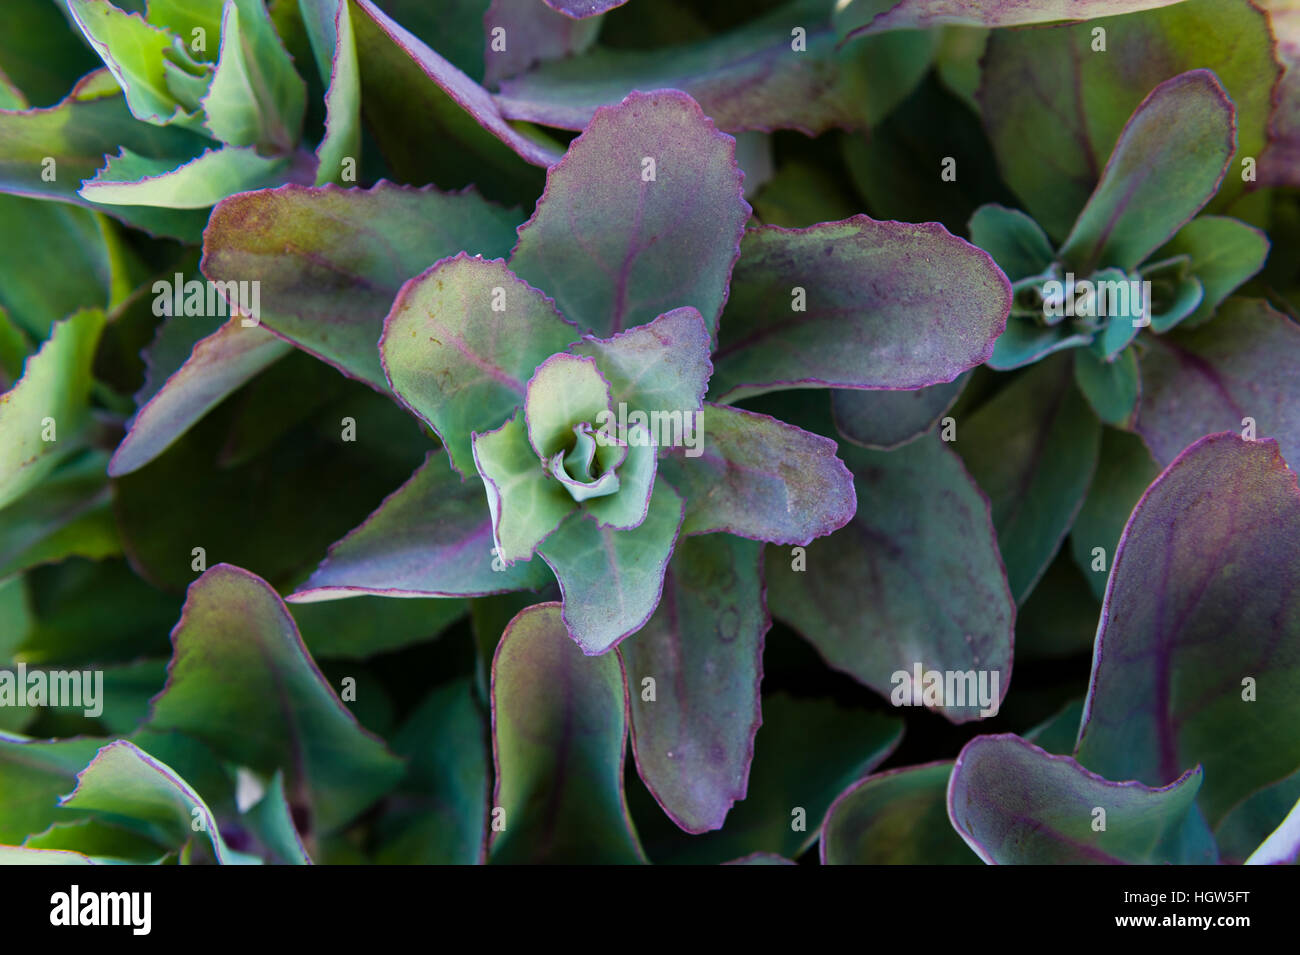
1111,387
272,822
349,253
1224,254
611,579
1015,804
461,341
43,415
242,682
68,514
565,391
1017,243
342,140
369,626
525,502
885,420
643,212
1032,448
914,578
1166,165
898,817
559,722
131,180
256,98
443,820
863,18
125,784
432,537
693,739
1125,469
134,52
33,775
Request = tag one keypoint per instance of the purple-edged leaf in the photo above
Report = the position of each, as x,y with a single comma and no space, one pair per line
17,855
1016,804
34,773
857,304
129,180
1167,164
1280,164
565,391
1124,470
330,260
1198,650
753,476
329,29
1240,365
460,343
218,365
1032,449
559,728
533,34
898,817
1054,108
580,9
1017,243
611,579
525,502
660,366
413,98
693,673
644,213
1282,847
124,783
806,752
885,420
241,681
749,78
432,537
915,578
861,18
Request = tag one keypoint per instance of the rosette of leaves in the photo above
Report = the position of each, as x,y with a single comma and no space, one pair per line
1137,232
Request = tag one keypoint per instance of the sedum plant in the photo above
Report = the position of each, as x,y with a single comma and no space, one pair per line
406,411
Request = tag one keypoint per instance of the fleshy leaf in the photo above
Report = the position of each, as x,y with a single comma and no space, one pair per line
411,97
342,140
1213,378
68,514
703,648
533,34
1032,449
745,79
1111,387
915,578
1124,470
757,477
461,341
1280,165
432,537
17,855
330,261
611,579
885,420
42,416
636,480
559,725
34,773
1017,243
218,365
124,783
898,817
1282,847
1054,108
242,682
1205,591
129,180
271,820
1015,804
256,98
1166,166
613,237
857,304
1224,253
660,366
580,9
1249,824
566,390
924,14
525,502
134,52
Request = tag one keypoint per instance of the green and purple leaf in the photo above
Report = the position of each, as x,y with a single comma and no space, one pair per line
885,420
559,738
702,653
878,311
924,14
1198,649
614,238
